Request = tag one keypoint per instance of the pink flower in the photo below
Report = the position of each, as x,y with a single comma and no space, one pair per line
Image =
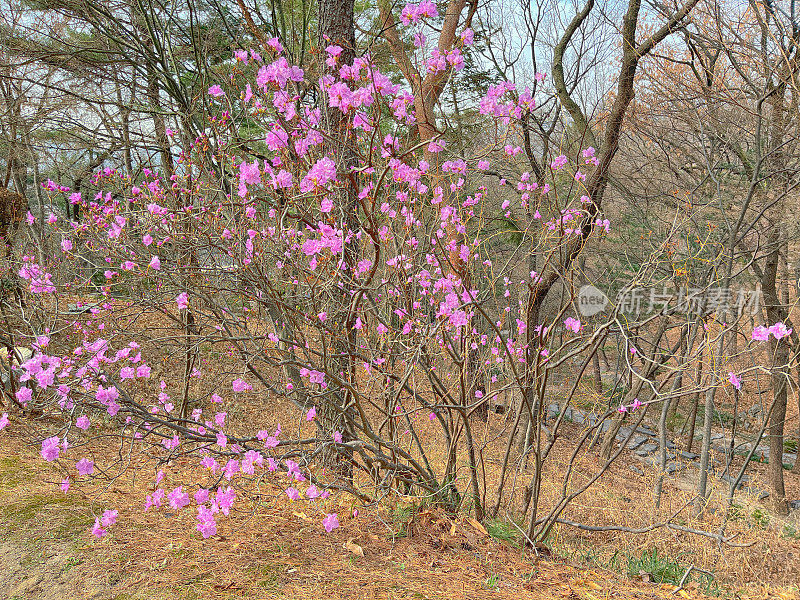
330,522
155,263
65,485
143,371
432,417
761,334
207,528
24,395
293,494
636,404
735,381
178,498
201,496
323,171
622,409
85,466
779,330
50,448
182,300
573,325
326,205
312,412
109,518
240,385
66,245
98,531
82,422
215,91
4,421
337,437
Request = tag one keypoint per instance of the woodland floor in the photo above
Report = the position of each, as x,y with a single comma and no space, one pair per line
270,547
275,551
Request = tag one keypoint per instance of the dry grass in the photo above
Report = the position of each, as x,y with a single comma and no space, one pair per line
273,548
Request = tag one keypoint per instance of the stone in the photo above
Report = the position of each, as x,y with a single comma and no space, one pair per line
636,441
644,429
636,470
794,504
688,455
647,449
673,468
623,433
729,479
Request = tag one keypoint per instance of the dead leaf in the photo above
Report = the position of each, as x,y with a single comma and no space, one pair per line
586,583
353,547
303,516
477,525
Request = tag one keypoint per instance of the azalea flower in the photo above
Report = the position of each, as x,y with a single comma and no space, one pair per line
735,381
240,385
779,330
85,466
97,530
573,325
109,518
50,448
330,522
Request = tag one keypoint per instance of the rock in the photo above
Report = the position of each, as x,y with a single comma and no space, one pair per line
578,416
729,479
636,470
647,449
553,409
644,429
754,410
671,445
623,433
794,504
637,441
673,468
688,455
762,495
74,309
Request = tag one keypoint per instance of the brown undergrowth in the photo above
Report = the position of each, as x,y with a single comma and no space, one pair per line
272,548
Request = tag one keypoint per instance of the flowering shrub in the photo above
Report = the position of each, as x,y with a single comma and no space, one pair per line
368,295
